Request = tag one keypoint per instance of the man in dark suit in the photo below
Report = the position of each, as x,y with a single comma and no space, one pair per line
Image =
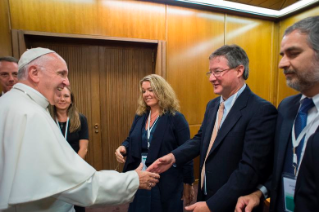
8,73
297,117
235,141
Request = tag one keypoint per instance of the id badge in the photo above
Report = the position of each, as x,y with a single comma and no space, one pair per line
143,160
289,185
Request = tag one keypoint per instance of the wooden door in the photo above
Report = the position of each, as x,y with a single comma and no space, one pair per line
119,92
104,77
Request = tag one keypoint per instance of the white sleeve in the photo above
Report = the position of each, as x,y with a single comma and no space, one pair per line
263,190
104,187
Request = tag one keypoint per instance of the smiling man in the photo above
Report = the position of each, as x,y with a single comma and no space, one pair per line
8,73
235,139
39,171
297,121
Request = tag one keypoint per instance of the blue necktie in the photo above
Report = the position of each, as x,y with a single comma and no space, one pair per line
301,122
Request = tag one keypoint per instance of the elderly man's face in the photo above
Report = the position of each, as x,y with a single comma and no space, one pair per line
8,75
53,78
227,83
299,61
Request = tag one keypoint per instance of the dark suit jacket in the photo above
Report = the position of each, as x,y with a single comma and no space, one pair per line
287,111
241,157
307,187
171,132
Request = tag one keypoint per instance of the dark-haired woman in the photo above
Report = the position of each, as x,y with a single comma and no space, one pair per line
73,125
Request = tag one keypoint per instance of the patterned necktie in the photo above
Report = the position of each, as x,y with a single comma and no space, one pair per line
301,122
214,134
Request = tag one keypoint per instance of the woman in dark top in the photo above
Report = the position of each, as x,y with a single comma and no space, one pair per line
158,128
72,124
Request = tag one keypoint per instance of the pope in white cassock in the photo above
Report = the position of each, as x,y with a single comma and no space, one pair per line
39,171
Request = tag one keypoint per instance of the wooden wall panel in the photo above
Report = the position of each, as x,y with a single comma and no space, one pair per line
283,90
192,36
256,38
131,19
5,36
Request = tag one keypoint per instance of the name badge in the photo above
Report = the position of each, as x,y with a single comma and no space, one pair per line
289,185
143,160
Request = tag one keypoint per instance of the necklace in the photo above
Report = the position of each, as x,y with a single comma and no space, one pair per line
61,127
154,116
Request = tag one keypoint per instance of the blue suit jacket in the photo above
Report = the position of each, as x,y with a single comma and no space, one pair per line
171,132
241,156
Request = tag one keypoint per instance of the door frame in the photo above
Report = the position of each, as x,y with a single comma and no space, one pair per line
19,45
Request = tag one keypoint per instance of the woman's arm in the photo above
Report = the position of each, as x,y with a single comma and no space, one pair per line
83,147
84,137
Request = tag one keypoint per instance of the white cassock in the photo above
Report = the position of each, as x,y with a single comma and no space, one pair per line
39,171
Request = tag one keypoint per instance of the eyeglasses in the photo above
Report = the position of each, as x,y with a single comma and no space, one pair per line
217,72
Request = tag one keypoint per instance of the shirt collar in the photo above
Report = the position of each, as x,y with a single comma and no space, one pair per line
315,100
33,94
228,102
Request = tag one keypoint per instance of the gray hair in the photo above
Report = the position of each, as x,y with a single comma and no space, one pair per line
22,73
235,56
9,59
309,26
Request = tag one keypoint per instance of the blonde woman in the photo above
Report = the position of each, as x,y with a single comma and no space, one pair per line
158,128
72,124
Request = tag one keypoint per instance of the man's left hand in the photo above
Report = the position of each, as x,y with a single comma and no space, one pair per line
198,207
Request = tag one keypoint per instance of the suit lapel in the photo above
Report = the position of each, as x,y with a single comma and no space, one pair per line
288,116
211,117
157,139
232,117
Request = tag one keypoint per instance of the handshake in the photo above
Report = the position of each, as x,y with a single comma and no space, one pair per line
150,177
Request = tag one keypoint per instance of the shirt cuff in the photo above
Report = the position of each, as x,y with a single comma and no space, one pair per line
263,190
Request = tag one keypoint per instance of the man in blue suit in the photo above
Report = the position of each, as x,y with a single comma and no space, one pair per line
297,119
235,141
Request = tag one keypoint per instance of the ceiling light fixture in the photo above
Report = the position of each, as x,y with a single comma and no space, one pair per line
252,9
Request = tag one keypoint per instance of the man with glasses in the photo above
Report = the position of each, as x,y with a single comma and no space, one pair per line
8,73
235,141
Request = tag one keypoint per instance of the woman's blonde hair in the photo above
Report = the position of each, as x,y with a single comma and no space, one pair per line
73,113
164,93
